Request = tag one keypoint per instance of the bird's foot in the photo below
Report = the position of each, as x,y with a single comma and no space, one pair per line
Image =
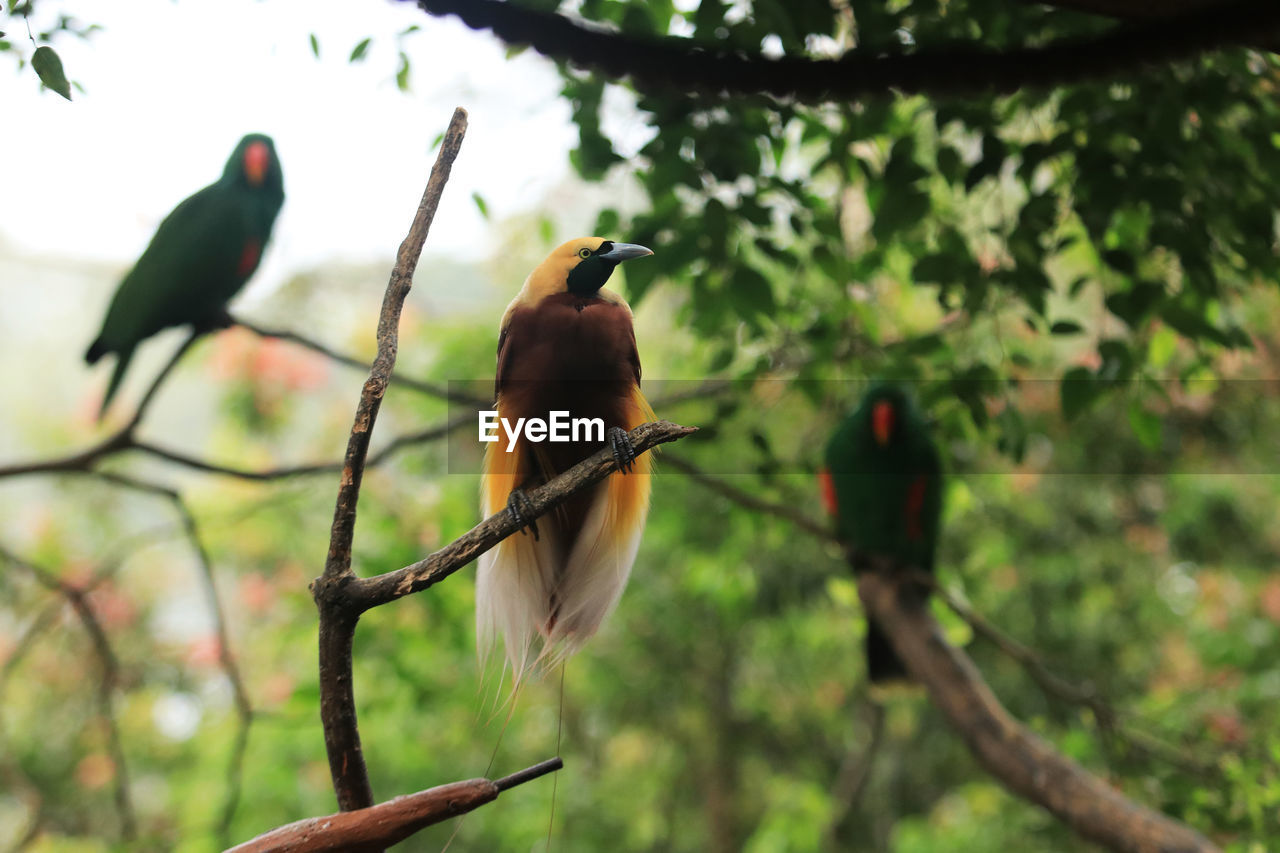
521,509
215,322
624,454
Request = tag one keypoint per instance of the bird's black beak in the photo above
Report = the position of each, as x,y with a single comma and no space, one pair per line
625,252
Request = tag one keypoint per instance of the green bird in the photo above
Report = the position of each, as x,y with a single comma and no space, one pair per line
882,484
201,255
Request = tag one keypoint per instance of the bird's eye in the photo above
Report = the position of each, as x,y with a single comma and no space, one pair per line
584,253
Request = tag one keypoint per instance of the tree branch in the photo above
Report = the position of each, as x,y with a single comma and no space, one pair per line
420,385
683,65
855,773
121,439
1052,684
337,626
380,826
365,593
76,597
748,500
1021,760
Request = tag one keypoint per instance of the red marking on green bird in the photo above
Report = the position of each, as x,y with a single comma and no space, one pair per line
882,419
249,258
257,158
828,486
915,504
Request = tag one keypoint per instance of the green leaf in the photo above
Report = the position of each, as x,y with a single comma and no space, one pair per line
607,222
48,66
481,204
990,164
1077,390
938,268
358,52
1145,425
751,291
723,358
402,75
1164,343
1117,360
315,45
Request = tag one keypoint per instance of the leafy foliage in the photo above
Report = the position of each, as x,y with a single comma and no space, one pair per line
1154,196
1064,278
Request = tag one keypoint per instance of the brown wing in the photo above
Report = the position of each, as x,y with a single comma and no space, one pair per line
504,355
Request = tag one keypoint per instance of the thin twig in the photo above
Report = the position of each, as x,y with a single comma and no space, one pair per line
230,668
748,500
122,439
424,386
337,624
854,774
1109,720
226,658
110,665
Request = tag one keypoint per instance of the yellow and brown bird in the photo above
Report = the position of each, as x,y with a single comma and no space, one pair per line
566,345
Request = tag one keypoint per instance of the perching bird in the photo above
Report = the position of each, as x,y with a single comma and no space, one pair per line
882,484
566,344
201,255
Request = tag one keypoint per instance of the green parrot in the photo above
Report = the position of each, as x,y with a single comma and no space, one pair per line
882,484
201,255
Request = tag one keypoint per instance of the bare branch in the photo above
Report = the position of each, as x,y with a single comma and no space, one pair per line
1021,760
364,593
421,385
337,626
110,665
121,439
855,772
380,826
683,65
1085,695
748,500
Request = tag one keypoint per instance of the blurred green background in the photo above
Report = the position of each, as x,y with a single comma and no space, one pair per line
1077,283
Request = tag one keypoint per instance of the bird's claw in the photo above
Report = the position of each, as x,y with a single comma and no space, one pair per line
521,509
624,454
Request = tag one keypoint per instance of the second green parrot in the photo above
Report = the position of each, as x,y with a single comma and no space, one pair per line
882,484
201,255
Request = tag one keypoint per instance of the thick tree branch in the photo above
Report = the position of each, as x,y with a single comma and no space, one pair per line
380,826
1131,9
1021,760
337,627
680,64
1108,719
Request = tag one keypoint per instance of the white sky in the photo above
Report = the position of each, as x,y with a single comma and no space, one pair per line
171,86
